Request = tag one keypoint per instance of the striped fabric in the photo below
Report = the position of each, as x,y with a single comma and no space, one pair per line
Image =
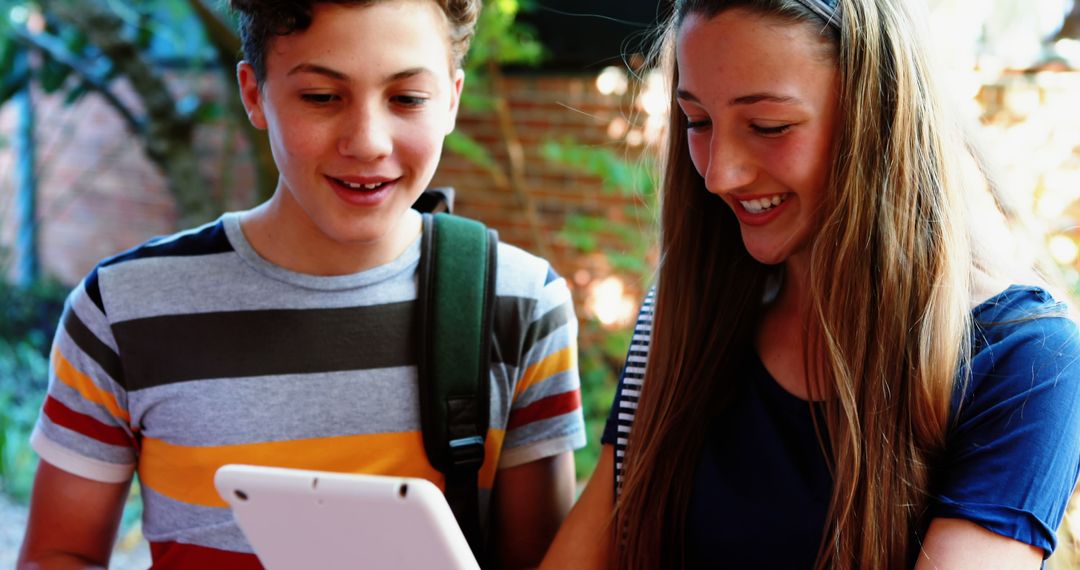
191,351
632,380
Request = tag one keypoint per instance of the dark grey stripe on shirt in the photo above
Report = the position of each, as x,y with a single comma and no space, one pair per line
89,343
163,350
510,314
236,344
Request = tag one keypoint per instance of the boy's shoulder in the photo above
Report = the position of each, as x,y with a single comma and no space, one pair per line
149,261
207,239
524,274
520,273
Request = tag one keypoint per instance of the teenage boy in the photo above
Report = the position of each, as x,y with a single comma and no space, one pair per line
282,335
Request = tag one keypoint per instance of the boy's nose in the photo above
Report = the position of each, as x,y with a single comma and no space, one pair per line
365,136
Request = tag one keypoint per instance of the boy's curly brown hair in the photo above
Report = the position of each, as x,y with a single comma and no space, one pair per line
262,20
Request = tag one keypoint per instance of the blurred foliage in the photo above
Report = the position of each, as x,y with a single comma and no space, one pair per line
28,318
599,360
500,41
619,176
23,374
162,50
626,250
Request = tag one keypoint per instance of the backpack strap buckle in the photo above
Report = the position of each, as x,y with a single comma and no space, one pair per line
467,451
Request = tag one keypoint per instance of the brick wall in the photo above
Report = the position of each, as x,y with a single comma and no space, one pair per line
99,195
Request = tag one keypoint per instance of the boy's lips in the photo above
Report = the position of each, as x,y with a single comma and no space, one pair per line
369,191
362,183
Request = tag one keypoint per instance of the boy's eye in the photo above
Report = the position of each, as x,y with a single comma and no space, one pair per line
409,100
319,98
771,130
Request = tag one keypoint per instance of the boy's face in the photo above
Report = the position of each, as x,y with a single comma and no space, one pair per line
356,107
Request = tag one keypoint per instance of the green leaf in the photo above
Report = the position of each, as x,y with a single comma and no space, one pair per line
75,93
617,174
467,147
210,112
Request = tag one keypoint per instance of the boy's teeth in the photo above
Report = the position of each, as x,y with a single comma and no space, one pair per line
363,186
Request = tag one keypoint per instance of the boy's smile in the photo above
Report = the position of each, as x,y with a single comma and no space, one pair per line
356,107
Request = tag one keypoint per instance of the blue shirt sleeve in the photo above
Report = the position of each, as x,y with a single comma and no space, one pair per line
1013,453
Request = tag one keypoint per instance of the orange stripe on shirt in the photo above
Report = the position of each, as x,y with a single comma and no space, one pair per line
186,473
67,373
551,365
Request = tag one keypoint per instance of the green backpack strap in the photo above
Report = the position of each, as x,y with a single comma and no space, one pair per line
456,311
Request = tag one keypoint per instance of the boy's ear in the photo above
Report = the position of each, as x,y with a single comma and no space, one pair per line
250,94
455,98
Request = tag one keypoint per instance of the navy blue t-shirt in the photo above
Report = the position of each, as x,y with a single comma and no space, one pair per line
762,487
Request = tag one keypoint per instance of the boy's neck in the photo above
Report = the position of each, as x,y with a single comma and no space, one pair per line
296,244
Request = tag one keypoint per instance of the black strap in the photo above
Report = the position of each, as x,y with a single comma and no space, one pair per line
456,310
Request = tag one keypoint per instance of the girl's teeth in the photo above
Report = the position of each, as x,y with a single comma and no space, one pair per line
759,205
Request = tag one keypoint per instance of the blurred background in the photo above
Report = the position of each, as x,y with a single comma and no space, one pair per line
119,121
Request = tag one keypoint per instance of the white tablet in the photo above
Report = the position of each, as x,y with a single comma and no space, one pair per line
317,519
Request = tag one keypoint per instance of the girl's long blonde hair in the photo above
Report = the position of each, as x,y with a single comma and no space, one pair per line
889,313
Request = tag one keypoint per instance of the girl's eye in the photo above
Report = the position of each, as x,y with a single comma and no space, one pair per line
696,125
409,100
771,131
319,98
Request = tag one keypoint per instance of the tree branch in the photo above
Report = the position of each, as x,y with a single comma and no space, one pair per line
226,47
56,50
166,128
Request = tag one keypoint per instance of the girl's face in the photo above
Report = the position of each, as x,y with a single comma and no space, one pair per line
760,98
356,107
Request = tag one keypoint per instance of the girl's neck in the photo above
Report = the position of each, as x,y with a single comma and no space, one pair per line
781,336
792,301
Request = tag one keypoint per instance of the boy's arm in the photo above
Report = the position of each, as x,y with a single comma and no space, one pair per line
584,541
73,520
530,501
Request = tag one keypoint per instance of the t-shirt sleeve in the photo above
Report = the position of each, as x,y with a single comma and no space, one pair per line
84,425
1013,453
631,379
545,416
611,427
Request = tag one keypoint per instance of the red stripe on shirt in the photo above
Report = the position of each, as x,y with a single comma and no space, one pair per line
62,415
545,408
169,555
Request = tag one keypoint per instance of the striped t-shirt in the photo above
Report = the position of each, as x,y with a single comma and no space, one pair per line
192,351
617,429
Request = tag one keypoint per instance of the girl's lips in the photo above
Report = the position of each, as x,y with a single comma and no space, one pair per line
356,194
749,218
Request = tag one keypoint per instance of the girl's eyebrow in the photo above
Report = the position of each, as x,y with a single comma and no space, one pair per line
744,99
686,96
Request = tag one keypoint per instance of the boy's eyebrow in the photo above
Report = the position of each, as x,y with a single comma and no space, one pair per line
334,74
319,70
743,100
